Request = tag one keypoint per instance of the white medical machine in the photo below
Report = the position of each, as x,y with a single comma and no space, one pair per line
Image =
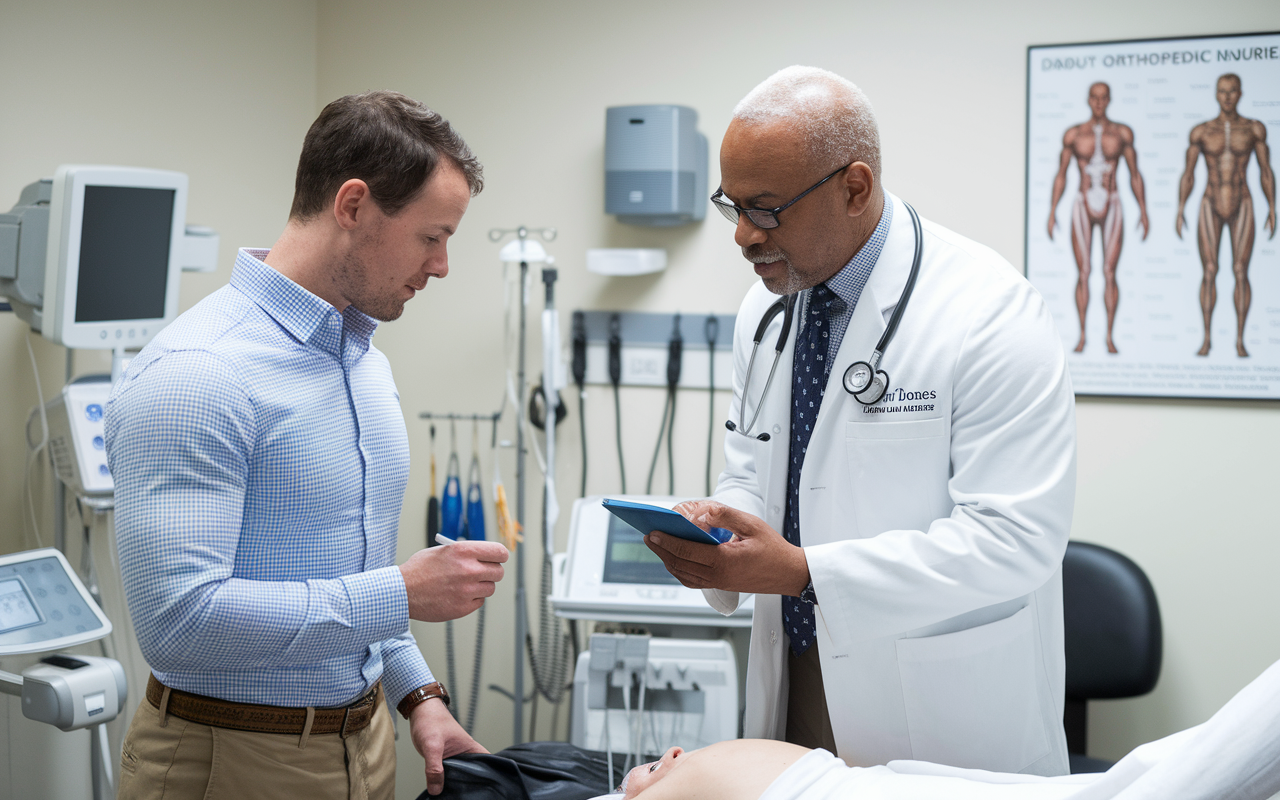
608,574
45,608
643,694
76,437
91,257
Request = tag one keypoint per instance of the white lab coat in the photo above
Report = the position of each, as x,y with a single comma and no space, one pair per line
934,523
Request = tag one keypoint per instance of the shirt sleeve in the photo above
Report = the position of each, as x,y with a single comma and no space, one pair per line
403,668
180,435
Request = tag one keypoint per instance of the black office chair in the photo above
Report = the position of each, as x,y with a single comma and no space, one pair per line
1114,640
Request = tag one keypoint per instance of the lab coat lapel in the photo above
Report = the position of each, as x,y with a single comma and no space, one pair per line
879,296
777,421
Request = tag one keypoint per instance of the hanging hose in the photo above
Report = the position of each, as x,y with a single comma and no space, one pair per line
433,502
657,448
453,526
472,529
713,332
451,512
675,357
671,457
675,351
475,531
580,378
474,703
548,660
549,664
615,377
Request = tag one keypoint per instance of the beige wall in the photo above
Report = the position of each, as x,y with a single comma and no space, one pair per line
221,91
225,91
1180,486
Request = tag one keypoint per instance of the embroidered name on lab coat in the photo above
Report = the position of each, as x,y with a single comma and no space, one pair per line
889,404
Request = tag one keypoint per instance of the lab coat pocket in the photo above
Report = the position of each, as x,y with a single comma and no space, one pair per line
906,429
898,471
971,698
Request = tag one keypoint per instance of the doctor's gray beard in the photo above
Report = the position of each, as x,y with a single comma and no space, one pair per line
758,255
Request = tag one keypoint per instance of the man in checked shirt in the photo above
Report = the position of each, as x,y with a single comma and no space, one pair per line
260,460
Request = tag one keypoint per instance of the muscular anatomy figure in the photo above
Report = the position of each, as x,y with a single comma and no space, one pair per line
1226,143
1097,146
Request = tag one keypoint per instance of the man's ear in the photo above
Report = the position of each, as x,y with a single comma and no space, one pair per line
860,183
351,203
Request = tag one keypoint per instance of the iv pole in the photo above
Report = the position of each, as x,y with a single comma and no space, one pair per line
524,251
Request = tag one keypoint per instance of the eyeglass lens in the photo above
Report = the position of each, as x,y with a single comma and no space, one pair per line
761,218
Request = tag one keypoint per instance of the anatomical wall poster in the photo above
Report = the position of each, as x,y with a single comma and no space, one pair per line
1151,212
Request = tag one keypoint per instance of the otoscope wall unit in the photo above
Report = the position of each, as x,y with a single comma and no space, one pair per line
641,344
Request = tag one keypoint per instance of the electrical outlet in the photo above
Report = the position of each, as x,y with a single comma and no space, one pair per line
644,365
647,366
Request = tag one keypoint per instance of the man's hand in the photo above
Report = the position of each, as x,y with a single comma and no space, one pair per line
452,580
437,735
757,559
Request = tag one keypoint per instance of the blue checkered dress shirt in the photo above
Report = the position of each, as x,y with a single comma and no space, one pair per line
260,459
817,342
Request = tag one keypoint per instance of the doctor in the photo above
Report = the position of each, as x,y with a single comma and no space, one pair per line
915,543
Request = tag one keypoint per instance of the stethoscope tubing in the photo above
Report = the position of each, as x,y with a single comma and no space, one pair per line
892,327
786,306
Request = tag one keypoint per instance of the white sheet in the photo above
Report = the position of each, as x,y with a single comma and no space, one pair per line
1233,756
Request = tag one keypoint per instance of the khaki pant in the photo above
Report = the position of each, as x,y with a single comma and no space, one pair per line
182,760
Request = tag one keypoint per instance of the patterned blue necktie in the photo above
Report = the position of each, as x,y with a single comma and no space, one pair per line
808,385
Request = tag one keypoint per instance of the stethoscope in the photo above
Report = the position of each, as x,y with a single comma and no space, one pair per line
863,379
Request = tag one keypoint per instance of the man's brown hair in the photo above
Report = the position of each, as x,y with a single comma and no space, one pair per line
391,142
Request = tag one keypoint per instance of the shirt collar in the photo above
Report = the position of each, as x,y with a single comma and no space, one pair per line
305,316
852,278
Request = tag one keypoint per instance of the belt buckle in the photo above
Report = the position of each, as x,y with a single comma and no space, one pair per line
367,699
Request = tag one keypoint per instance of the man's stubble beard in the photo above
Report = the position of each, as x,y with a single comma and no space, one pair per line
793,283
354,275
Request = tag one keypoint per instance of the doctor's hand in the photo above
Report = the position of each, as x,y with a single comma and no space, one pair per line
756,560
452,580
437,736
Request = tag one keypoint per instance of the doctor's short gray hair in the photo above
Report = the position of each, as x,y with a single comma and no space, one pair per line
835,116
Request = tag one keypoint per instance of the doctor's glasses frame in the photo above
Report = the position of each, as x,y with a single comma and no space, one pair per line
765,218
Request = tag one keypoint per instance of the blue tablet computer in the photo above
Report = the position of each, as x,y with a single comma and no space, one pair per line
646,518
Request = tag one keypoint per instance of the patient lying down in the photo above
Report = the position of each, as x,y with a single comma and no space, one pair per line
1236,754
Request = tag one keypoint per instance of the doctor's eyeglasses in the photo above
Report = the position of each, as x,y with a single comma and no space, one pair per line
764,217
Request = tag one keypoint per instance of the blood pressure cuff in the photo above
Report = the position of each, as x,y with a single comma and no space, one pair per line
533,771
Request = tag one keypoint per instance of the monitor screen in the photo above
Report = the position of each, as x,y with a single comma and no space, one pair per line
627,559
16,608
124,253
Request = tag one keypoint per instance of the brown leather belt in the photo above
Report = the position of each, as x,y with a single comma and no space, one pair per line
345,721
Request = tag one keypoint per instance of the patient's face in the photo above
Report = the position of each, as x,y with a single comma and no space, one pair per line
646,775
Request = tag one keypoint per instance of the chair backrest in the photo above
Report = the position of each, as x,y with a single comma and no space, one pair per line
1114,640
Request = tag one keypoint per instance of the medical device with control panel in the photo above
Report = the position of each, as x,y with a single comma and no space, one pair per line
91,257
608,574
76,433
43,608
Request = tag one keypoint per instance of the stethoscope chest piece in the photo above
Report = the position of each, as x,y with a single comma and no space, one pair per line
866,383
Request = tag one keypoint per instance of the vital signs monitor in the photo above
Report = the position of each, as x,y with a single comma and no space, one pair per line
608,574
